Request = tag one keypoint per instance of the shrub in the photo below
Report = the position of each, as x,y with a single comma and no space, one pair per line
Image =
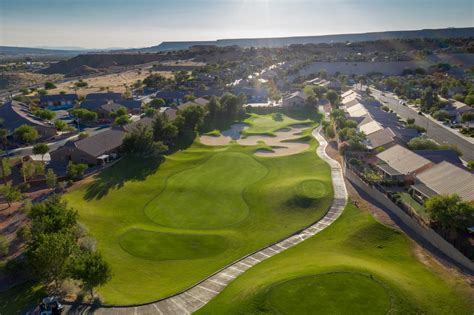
4,245
24,233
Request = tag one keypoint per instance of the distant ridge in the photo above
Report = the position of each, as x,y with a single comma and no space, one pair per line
285,41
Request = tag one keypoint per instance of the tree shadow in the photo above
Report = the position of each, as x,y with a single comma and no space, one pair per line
184,141
128,169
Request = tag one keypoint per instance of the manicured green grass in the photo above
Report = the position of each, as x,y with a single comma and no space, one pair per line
355,266
165,225
333,293
213,133
406,198
266,124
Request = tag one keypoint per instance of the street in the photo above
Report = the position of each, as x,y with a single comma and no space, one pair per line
433,130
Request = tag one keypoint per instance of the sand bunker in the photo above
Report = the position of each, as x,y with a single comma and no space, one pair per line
281,144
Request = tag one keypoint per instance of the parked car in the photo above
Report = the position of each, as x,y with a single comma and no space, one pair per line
50,306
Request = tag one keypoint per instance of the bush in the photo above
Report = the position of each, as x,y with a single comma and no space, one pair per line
441,115
49,86
4,246
24,233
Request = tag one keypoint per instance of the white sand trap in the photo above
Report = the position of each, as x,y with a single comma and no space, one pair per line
225,137
280,144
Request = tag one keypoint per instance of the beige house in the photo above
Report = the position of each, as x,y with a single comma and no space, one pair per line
400,164
444,179
295,100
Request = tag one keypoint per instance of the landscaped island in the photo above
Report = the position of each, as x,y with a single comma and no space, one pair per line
165,225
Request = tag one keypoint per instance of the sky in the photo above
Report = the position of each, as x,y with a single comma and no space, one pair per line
144,23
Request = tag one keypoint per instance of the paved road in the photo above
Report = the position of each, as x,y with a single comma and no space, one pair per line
438,133
197,296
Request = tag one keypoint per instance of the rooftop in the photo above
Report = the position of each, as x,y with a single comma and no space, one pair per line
403,160
446,178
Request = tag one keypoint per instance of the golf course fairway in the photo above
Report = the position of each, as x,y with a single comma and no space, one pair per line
355,266
164,225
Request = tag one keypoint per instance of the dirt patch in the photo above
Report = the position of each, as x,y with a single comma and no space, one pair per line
115,82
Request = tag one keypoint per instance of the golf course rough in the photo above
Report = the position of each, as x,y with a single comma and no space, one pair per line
354,266
165,225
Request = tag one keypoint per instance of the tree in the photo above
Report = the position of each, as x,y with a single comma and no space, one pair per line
92,270
26,133
60,125
49,255
4,246
51,179
323,74
122,111
441,115
163,129
193,117
470,165
11,193
428,99
157,103
422,143
27,170
44,114
41,149
84,114
450,212
140,142
121,120
49,86
467,117
52,216
3,136
5,169
75,171
332,96
469,100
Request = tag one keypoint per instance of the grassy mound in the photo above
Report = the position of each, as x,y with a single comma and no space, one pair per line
354,244
167,246
311,189
213,194
268,124
334,293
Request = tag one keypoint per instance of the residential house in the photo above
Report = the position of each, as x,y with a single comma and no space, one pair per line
14,114
356,111
197,102
109,96
170,113
176,97
58,101
438,156
253,94
94,150
295,100
400,164
97,149
455,110
105,107
382,138
444,179
368,125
